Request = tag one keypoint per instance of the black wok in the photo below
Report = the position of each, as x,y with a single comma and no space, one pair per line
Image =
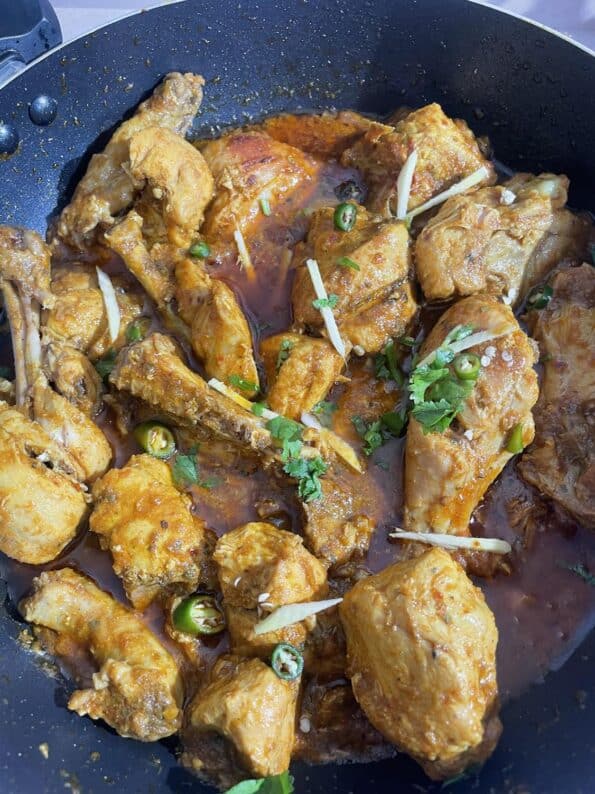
531,91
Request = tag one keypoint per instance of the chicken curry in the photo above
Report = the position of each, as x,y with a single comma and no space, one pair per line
296,442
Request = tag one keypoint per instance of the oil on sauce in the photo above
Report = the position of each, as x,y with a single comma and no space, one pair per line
542,608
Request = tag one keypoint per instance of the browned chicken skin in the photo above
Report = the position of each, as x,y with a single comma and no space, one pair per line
421,649
137,688
447,474
447,152
499,240
324,135
561,461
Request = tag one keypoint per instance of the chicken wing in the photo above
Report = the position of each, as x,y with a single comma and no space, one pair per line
107,188
561,461
78,317
447,474
447,152
421,649
137,688
41,503
498,240
241,724
375,300
300,372
157,545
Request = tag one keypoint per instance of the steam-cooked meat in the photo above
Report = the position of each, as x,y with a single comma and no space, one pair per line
241,724
375,301
219,331
421,649
447,152
107,187
41,504
325,135
247,167
300,372
447,474
78,315
137,688
561,461
261,568
158,546
74,377
498,240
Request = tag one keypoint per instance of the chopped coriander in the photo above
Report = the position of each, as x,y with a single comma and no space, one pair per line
324,410
200,250
286,346
376,433
284,429
345,261
258,408
276,784
241,383
106,364
307,471
326,303
185,470
265,206
581,570
386,366
395,422
406,341
137,329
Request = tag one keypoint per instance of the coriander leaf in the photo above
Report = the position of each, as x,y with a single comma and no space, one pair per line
406,341
241,383
279,784
326,303
258,408
444,355
581,570
457,333
6,373
309,487
374,435
324,410
185,471
380,367
386,366
421,378
395,422
284,429
291,449
210,482
359,424
345,261
286,346
431,414
106,364
247,786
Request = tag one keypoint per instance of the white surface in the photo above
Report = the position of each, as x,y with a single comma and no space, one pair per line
575,18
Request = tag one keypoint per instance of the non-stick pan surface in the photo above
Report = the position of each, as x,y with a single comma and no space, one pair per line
531,91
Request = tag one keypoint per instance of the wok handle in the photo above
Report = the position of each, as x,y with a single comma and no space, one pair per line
28,29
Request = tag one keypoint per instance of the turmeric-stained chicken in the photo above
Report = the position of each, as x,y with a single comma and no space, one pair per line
561,461
158,546
137,688
325,135
421,649
366,269
447,473
499,240
261,568
241,724
447,152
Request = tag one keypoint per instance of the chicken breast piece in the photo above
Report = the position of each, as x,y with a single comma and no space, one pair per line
41,504
137,688
107,188
300,372
421,649
248,166
158,546
153,371
375,301
78,316
219,331
241,724
447,152
447,474
325,135
561,461
498,240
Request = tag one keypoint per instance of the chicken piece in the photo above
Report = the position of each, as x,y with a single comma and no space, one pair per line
157,545
447,474
498,240
334,729
375,301
41,504
78,316
421,649
74,377
7,391
447,152
325,135
137,688
107,187
176,175
153,371
300,372
248,166
219,331
241,724
63,421
561,461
